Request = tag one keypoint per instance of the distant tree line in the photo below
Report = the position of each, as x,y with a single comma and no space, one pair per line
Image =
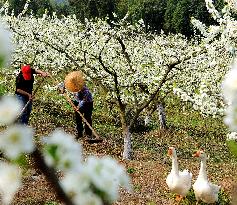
167,15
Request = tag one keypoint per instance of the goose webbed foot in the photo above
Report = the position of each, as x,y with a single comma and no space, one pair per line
178,198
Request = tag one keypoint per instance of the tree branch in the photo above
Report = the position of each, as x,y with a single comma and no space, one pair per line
51,177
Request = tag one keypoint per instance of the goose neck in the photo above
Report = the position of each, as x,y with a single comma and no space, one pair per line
203,170
175,168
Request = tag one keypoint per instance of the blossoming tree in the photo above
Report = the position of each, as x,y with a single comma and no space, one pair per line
221,39
227,30
135,69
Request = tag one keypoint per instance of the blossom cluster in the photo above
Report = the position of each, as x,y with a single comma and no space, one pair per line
230,94
84,179
97,175
14,141
226,32
232,136
6,46
62,151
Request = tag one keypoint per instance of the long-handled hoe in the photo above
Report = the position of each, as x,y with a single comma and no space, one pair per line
97,138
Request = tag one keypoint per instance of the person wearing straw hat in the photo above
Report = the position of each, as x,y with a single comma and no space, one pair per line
24,87
83,100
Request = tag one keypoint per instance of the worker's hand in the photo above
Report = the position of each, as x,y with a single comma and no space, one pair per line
42,73
81,103
30,97
45,74
61,88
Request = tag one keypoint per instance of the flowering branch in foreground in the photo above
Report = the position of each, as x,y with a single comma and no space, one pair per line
93,181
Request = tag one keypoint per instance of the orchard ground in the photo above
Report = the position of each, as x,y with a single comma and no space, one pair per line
187,131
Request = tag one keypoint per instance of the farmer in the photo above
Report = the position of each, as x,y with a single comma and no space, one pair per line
24,87
74,82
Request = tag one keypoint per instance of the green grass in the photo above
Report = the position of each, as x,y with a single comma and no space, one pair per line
51,203
223,199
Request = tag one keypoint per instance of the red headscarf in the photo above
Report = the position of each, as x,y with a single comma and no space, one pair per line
26,71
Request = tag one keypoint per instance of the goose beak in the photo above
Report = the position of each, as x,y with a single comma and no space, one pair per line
196,154
169,152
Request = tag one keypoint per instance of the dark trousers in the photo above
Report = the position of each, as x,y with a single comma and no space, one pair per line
86,111
24,118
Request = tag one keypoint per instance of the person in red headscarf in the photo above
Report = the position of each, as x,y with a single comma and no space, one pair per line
24,87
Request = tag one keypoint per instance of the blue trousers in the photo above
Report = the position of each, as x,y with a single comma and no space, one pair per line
86,110
24,118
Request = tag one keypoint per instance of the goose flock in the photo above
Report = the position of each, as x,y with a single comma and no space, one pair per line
180,182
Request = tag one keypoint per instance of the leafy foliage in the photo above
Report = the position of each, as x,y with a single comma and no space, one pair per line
232,146
179,13
170,16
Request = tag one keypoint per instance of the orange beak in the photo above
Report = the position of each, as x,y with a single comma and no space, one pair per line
196,154
169,152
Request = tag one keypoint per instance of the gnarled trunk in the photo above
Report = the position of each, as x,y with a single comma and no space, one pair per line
147,120
127,151
162,117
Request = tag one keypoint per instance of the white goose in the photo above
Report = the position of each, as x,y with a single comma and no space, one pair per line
203,189
179,182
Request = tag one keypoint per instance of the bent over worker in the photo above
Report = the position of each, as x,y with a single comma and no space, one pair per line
83,100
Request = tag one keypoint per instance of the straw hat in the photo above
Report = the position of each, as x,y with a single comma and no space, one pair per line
74,81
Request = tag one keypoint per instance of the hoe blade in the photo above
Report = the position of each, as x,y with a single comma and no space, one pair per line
95,140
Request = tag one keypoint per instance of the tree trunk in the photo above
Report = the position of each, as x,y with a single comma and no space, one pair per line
147,120
127,151
162,116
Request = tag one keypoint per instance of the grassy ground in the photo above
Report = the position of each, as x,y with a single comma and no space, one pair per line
187,131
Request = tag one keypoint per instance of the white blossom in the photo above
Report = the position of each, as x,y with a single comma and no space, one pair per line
231,116
10,181
98,180
6,45
106,175
230,84
211,9
17,140
232,3
78,187
88,198
63,151
232,136
10,108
